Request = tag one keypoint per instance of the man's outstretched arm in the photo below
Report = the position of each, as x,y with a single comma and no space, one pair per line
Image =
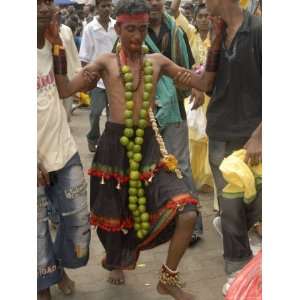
84,81
204,82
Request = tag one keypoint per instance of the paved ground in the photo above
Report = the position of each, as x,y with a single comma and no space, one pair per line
201,267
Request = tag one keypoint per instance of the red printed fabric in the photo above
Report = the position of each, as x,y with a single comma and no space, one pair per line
248,283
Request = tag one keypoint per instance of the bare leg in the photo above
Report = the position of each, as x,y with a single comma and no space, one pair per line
66,285
184,227
44,295
116,277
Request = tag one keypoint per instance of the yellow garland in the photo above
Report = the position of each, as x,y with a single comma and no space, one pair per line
168,159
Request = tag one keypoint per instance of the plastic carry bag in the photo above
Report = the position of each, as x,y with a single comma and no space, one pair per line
196,120
248,283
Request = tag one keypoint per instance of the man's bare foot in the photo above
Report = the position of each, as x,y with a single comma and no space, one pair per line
116,277
44,295
66,285
174,291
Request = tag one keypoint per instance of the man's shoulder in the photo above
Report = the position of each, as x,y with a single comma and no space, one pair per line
93,24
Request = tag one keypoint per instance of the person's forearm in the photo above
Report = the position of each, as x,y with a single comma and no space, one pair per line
212,64
174,9
257,132
65,87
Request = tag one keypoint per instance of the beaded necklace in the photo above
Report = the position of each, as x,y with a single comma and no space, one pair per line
133,139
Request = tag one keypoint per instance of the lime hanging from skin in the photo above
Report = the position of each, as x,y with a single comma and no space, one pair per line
139,140
148,87
141,192
146,104
137,226
129,132
134,166
132,191
128,77
139,132
142,208
137,219
147,63
134,175
129,86
145,225
148,79
128,96
143,113
125,69
145,217
137,148
129,105
137,157
132,207
145,49
133,199
139,184
130,146
133,183
129,123
128,113
124,140
129,154
143,123
148,70
140,234
142,201
136,213
146,96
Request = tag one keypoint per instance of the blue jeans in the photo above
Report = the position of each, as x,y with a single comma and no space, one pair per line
176,138
99,100
68,194
236,216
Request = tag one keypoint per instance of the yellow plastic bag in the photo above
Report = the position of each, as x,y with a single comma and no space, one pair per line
242,179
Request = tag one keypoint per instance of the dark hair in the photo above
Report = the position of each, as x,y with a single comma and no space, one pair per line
132,7
198,8
98,1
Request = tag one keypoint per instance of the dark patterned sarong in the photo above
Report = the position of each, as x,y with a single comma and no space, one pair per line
166,197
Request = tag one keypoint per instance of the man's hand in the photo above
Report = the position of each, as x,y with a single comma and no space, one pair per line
42,175
198,98
91,78
254,148
183,78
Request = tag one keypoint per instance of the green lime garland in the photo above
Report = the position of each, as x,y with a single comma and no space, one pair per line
133,140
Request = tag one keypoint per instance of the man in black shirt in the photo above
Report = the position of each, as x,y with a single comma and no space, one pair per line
234,121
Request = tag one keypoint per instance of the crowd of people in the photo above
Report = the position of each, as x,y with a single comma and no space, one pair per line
183,117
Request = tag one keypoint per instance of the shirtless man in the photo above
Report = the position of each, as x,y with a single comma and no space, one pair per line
170,209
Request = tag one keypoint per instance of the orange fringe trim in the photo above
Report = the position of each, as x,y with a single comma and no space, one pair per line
114,225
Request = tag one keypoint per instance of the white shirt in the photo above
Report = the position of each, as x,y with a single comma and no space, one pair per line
55,143
73,62
96,40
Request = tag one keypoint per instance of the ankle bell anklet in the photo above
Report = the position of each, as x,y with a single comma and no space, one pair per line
170,277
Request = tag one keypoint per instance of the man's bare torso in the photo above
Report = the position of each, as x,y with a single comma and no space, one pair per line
115,89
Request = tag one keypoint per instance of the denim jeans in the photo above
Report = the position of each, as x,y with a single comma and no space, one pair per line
99,100
236,216
68,194
176,138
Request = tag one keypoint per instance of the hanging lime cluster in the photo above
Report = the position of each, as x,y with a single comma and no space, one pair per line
133,140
